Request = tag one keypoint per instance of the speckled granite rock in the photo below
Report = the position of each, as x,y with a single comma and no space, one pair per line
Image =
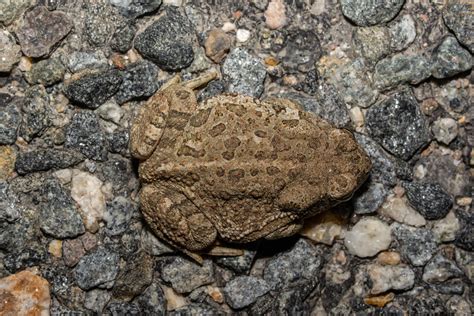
139,81
45,159
10,118
429,199
9,51
450,59
244,290
457,18
416,244
186,276
97,269
369,12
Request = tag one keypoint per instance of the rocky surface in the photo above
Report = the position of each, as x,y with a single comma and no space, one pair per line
74,74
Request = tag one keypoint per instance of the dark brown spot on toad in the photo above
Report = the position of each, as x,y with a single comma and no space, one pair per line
217,129
260,133
228,155
232,143
200,118
185,150
291,123
236,174
279,143
254,172
260,155
272,170
220,172
237,109
177,120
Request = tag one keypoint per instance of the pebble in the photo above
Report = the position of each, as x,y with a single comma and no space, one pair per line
416,244
85,135
379,300
24,293
37,114
97,269
465,261
134,277
195,309
86,191
390,277
239,264
445,130
242,35
118,214
168,42
398,209
324,228
372,43
465,236
185,276
10,118
153,245
217,45
275,14
91,88
46,159
388,258
46,72
41,30
399,69
122,308
122,40
429,199
302,263
7,162
139,82
369,12
110,111
368,237
152,301
78,61
134,8
59,215
450,59
458,306
440,269
96,300
244,290
398,125
10,52
369,198
9,210
10,10
460,22
244,73
402,32
99,22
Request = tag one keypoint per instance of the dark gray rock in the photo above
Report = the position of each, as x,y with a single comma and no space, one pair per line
302,50
97,269
36,113
46,72
135,8
78,61
152,301
45,159
99,22
196,309
9,210
41,30
168,42
59,215
399,69
398,125
118,142
369,197
239,264
310,84
371,12
450,287
244,290
243,73
122,40
91,89
302,263
440,269
429,199
10,118
123,308
457,17
415,244
465,236
139,81
372,43
402,32
21,259
450,59
12,9
135,277
85,135
421,302
118,215
186,276
96,300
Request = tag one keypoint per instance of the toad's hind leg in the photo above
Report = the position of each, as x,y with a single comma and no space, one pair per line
172,216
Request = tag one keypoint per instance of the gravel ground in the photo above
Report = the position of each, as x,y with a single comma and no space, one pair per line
398,73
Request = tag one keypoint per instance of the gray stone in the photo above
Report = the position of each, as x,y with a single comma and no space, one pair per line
196,309
85,135
9,210
389,277
440,269
10,118
118,215
96,300
186,276
399,69
402,32
369,198
139,81
41,30
301,51
135,277
36,113
152,301
123,37
118,142
46,72
445,130
90,89
429,199
416,244
371,12
123,308
97,269
244,73
45,159
372,43
213,88
153,245
10,52
10,10
168,42
99,22
450,59
398,125
465,236
302,263
135,8
458,17
244,290
239,264
78,61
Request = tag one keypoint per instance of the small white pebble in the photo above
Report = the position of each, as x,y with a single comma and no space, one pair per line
228,27
368,237
243,35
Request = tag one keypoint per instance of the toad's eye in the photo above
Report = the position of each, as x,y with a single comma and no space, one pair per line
182,94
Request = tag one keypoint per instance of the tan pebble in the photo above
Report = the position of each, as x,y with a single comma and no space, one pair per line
290,80
399,191
380,300
428,106
215,294
388,258
341,257
7,162
174,300
271,61
464,201
55,248
357,116
25,64
217,45
132,56
118,61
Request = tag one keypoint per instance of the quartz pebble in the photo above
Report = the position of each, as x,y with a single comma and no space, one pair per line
446,229
275,14
242,35
445,130
368,237
324,228
390,277
398,209
402,32
24,293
